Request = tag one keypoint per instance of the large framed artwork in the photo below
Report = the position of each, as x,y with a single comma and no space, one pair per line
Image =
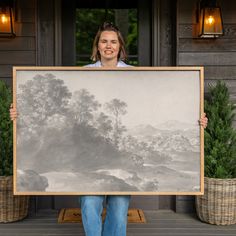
131,130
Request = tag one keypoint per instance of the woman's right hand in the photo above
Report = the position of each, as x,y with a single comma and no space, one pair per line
13,113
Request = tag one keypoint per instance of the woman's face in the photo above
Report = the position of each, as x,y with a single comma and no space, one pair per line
108,45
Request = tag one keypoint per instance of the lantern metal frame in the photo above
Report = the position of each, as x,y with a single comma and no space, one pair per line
206,6
6,7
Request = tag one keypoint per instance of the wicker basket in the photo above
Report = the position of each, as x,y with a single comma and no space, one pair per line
12,208
218,204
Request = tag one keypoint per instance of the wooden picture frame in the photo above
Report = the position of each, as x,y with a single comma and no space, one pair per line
93,131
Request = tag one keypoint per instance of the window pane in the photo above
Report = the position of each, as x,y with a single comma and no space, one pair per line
87,23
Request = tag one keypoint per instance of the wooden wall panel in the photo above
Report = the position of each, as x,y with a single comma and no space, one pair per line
193,45
167,33
220,72
25,11
20,50
5,70
26,4
143,202
144,33
185,204
45,33
207,58
26,15
228,11
68,39
187,11
18,44
187,31
25,29
17,57
218,56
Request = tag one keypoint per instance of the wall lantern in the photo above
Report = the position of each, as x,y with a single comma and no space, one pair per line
6,18
210,19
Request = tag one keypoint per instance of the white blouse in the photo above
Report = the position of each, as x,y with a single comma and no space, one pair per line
99,64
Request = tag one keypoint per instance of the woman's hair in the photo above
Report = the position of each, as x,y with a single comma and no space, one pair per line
107,26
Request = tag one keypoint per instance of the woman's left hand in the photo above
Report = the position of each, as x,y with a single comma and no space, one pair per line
203,121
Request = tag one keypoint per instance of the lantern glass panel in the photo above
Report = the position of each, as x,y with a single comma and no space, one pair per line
212,21
6,21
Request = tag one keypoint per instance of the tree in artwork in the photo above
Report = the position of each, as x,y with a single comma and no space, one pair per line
117,109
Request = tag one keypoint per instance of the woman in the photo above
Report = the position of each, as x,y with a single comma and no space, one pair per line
108,52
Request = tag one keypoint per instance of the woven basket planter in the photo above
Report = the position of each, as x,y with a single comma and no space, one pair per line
218,204
12,208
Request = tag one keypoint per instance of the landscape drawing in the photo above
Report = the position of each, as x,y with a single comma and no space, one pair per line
97,131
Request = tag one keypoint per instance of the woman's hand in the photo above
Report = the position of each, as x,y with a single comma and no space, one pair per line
13,113
203,121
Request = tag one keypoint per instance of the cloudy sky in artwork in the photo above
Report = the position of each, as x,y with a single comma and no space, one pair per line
152,97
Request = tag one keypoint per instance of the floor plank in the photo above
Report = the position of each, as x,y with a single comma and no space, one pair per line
159,223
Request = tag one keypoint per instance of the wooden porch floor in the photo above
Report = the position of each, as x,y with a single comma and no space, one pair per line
159,223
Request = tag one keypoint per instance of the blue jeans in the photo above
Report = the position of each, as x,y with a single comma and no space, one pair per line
116,216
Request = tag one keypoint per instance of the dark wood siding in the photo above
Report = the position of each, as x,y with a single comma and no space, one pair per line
22,49
144,33
218,56
167,33
45,33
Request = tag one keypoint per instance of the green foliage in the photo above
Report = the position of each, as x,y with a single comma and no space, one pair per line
220,136
132,38
6,142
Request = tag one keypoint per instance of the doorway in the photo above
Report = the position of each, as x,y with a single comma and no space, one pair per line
134,18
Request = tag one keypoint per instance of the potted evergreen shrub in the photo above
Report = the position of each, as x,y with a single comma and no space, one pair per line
218,204
12,208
